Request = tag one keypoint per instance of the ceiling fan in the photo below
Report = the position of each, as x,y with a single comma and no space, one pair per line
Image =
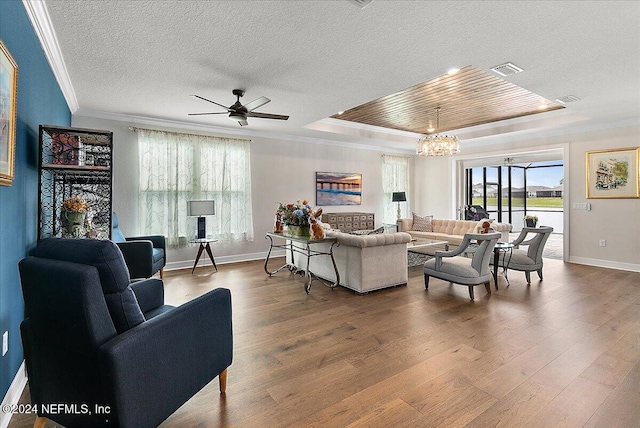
240,112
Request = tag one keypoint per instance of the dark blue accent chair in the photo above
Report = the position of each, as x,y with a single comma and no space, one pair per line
144,255
93,338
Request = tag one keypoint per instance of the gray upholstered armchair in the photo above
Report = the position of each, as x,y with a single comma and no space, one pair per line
470,271
530,259
93,340
144,255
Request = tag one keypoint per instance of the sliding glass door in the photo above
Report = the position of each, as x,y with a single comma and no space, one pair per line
509,192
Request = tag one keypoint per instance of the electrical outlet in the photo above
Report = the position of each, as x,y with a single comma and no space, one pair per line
5,343
603,243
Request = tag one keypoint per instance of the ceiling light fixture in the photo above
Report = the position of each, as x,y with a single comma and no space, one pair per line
438,145
452,71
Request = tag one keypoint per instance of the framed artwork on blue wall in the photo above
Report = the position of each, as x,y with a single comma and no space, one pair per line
8,101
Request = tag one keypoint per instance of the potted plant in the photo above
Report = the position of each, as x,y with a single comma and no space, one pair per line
531,220
74,212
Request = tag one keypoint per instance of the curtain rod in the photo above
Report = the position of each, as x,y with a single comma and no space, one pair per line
136,129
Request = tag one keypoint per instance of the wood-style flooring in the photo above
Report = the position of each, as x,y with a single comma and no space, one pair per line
563,352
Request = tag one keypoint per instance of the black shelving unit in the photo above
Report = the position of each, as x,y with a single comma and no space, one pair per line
75,162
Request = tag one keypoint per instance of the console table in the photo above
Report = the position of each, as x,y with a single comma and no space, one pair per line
307,250
350,221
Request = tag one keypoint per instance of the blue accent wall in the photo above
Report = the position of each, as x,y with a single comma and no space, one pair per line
40,101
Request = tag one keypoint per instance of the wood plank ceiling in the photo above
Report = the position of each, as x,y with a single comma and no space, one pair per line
467,98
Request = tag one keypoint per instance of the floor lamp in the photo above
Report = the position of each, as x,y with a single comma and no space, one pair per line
399,197
201,209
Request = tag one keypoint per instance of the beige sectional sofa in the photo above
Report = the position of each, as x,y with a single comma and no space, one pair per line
365,262
452,231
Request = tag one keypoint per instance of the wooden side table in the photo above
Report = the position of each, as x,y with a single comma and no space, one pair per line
205,244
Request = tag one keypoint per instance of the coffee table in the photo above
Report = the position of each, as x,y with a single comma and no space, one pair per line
420,247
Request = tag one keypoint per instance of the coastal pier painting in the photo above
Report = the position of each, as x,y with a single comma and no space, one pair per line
338,188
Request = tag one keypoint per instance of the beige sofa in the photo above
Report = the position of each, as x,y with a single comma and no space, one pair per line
452,231
365,262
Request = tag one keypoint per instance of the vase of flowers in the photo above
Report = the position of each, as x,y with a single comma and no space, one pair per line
531,220
295,217
74,212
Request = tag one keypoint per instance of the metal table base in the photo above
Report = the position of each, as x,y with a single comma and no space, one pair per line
306,250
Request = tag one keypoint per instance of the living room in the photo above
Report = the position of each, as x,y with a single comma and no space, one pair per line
284,163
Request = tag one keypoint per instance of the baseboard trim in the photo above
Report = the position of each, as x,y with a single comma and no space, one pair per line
605,264
13,394
220,260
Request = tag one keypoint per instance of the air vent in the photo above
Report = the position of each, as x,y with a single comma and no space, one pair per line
506,69
360,3
567,99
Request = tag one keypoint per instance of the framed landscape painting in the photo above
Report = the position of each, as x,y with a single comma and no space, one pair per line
338,188
613,173
8,96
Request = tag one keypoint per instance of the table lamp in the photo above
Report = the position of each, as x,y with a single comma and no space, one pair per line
399,197
201,209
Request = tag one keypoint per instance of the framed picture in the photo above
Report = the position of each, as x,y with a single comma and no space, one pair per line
8,97
338,188
613,173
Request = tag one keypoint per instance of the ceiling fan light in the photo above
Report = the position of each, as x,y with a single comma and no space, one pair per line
236,116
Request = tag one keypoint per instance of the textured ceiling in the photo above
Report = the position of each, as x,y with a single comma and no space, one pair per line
315,58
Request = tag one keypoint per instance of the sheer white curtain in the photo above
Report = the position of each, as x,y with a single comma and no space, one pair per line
176,168
395,178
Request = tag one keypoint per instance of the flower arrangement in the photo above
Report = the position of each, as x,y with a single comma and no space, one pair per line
75,204
533,218
295,214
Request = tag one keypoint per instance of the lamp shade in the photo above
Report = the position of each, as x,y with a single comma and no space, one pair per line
399,197
201,208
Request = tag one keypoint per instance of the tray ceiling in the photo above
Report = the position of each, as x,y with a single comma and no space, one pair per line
467,98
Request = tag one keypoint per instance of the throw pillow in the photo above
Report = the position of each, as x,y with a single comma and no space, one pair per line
376,231
422,223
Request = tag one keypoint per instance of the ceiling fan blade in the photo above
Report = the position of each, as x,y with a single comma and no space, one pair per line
267,116
259,102
201,114
212,102
243,122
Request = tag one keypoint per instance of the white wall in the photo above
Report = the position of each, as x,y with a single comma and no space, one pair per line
615,220
281,171
284,170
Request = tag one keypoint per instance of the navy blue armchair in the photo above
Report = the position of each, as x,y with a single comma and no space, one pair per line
144,255
95,342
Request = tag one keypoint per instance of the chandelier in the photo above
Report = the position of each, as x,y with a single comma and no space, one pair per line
438,145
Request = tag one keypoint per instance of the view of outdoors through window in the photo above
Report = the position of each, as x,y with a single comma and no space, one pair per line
509,193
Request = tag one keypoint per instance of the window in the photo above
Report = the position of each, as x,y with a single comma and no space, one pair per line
395,178
176,168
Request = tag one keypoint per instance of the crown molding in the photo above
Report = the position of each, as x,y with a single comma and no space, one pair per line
39,17
533,134
243,132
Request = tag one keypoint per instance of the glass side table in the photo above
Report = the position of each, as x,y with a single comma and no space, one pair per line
507,251
205,244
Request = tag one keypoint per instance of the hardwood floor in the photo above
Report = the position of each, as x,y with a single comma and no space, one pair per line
564,352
